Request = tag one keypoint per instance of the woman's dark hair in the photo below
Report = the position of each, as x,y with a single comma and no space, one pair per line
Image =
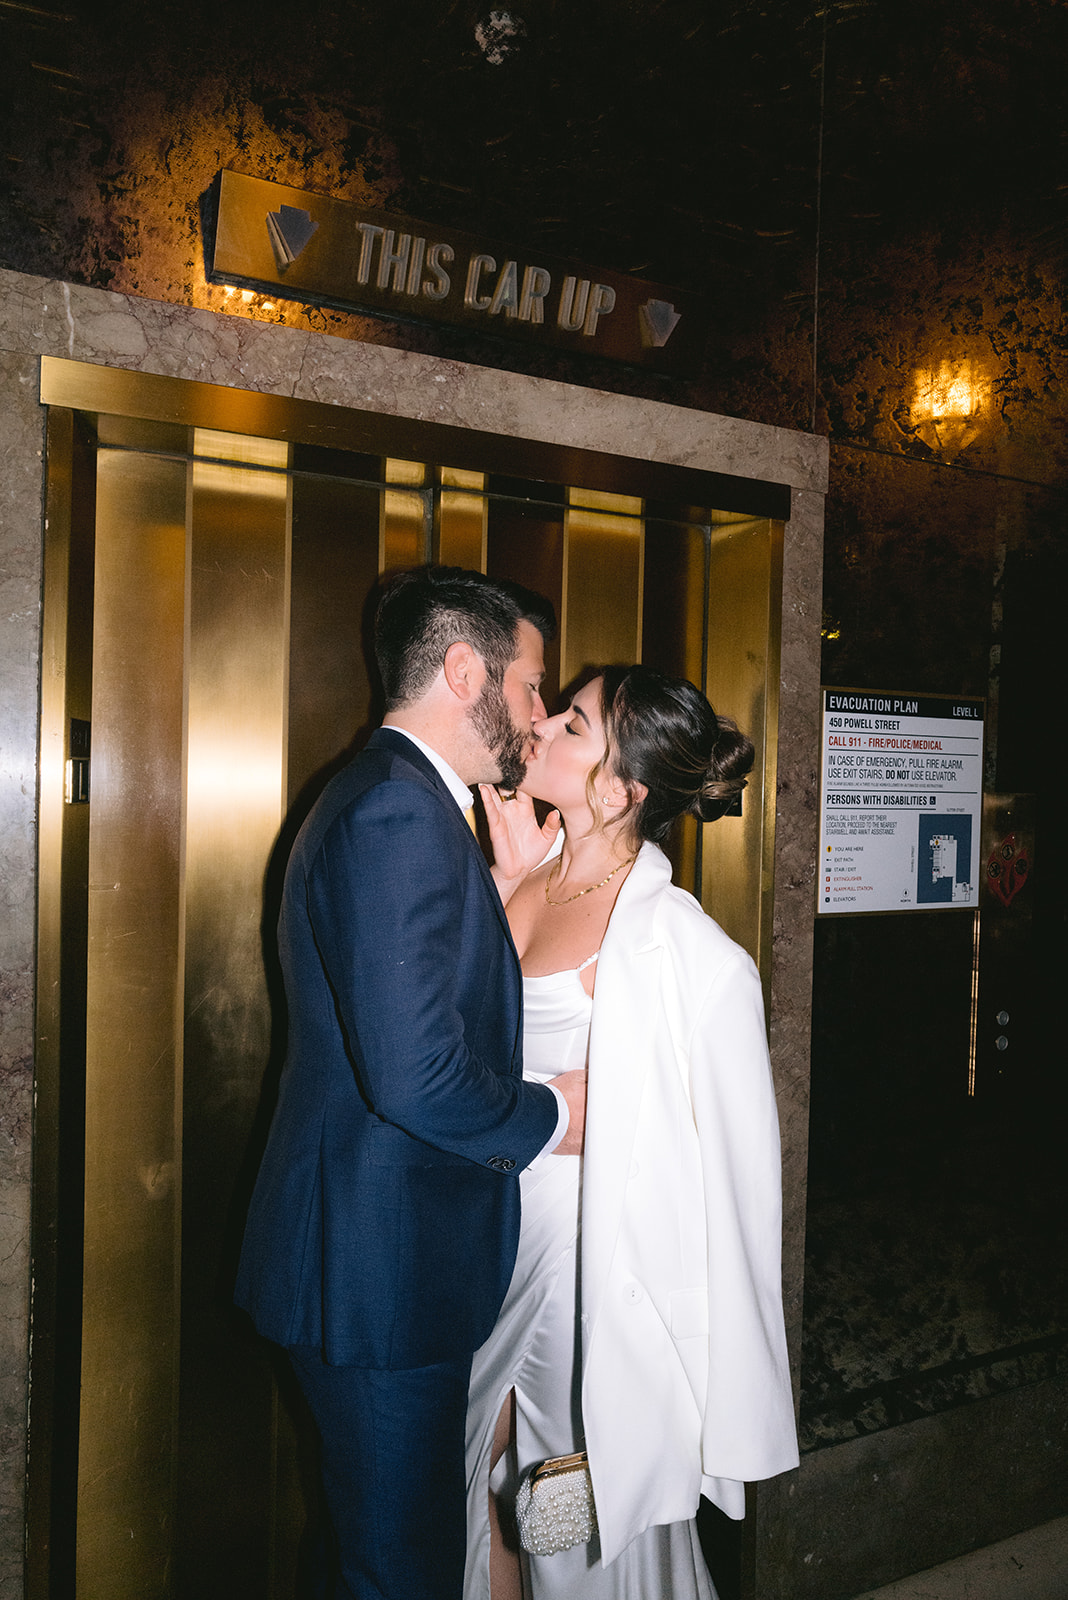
661,732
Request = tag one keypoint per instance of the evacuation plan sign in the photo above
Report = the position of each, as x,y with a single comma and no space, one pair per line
901,801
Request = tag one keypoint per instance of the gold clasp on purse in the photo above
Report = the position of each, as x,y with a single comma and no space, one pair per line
557,1465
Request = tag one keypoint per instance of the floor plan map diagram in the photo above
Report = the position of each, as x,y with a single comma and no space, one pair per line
944,875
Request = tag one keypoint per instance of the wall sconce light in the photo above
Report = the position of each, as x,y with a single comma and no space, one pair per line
948,406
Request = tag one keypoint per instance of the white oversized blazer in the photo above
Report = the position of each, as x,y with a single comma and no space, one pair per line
685,1388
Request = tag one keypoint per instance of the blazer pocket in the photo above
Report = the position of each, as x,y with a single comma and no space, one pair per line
390,1146
688,1310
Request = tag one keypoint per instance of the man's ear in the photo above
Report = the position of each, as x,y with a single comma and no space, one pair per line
465,671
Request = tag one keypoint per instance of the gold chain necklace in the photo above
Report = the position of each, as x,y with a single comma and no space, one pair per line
592,887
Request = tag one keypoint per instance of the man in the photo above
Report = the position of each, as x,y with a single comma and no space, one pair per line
383,1227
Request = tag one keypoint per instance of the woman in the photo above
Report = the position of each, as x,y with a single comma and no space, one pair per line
652,1336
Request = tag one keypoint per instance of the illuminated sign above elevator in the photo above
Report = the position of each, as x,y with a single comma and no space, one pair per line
313,248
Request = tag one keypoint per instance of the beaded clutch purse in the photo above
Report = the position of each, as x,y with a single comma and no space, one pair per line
554,1505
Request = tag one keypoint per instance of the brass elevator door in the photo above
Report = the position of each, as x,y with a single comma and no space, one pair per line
219,655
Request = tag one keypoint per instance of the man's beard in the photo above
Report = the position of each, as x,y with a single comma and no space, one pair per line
493,723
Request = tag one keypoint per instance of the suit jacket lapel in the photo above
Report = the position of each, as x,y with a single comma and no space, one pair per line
401,745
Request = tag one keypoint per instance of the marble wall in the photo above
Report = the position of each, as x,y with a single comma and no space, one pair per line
21,460
41,317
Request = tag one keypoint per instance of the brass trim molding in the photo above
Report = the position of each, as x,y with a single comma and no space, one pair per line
184,402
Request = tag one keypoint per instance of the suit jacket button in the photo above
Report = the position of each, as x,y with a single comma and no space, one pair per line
501,1163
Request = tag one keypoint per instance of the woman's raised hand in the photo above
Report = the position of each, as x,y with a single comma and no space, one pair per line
518,842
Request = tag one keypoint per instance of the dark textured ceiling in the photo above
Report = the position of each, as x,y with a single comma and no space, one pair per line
645,135
864,179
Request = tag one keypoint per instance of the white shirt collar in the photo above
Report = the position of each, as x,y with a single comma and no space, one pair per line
455,785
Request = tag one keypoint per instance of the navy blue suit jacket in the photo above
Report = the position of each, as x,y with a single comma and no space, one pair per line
385,1217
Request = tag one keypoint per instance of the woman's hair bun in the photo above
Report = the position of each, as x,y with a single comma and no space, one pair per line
725,777
663,734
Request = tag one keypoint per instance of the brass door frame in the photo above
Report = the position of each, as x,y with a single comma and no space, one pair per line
141,395
59,1109
739,666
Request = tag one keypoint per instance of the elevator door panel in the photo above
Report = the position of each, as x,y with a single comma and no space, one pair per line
236,652
525,542
130,1283
334,565
234,577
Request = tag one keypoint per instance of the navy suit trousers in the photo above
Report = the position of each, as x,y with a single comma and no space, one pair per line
393,1475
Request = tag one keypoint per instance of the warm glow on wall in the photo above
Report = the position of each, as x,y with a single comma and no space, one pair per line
947,407
952,391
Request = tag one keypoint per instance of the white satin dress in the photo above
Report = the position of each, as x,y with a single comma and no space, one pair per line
535,1349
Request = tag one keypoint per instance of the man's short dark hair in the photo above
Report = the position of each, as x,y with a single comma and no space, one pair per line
426,609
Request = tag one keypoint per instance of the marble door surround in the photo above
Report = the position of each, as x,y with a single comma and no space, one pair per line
46,318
